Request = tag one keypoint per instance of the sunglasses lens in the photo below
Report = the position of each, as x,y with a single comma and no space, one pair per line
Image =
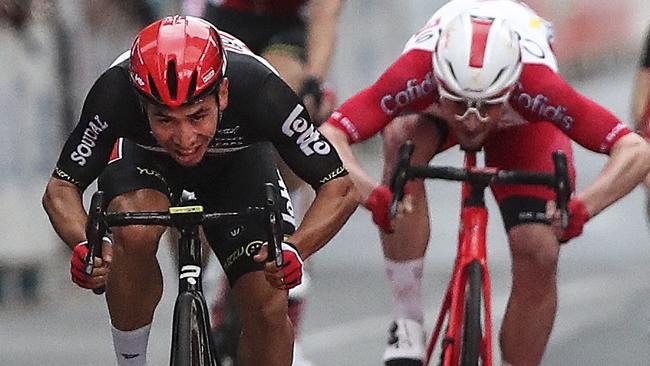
463,108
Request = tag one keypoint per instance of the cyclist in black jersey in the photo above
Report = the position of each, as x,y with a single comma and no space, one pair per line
192,108
298,38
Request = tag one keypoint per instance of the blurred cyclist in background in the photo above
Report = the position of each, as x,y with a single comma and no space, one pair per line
192,108
298,38
482,75
641,104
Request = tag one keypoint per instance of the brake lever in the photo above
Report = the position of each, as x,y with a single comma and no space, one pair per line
401,175
562,186
274,225
95,231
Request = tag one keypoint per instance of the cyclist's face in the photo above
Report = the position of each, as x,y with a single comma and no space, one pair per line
185,132
471,122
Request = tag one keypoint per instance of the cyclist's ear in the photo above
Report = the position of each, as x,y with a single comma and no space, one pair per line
223,94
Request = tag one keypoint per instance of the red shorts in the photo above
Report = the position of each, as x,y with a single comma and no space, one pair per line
525,147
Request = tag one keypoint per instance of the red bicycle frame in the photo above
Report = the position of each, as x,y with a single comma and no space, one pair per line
471,247
468,335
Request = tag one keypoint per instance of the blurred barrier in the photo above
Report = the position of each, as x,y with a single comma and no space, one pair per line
590,30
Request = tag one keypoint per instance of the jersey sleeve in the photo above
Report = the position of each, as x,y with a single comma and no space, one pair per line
542,95
284,121
87,149
406,86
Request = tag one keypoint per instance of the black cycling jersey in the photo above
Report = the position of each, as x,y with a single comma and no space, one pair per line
261,107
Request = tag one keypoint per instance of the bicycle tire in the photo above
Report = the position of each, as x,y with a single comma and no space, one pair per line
191,341
472,331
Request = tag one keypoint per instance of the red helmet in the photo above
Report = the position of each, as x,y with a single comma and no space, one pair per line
177,60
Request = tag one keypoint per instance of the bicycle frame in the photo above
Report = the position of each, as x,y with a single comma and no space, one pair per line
471,247
460,343
187,218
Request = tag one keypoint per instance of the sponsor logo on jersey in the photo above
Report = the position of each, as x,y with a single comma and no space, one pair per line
309,140
150,172
228,131
539,105
348,125
248,250
413,90
611,136
236,231
59,173
88,140
336,173
284,193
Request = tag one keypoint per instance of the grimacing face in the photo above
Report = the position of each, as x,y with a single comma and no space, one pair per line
185,132
470,131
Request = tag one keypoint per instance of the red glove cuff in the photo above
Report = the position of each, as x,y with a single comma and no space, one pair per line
293,265
578,216
379,204
78,264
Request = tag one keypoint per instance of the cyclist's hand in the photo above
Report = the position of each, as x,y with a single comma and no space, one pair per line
101,265
578,216
290,274
379,204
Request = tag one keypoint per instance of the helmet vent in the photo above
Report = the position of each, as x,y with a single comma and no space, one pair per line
192,87
498,76
172,79
451,69
154,90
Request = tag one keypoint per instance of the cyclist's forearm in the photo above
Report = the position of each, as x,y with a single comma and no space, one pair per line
63,203
322,31
362,180
335,201
627,166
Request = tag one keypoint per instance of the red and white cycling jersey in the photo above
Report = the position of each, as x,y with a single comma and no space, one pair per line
541,94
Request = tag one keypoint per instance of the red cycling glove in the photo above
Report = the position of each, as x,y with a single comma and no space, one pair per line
292,268
578,216
379,204
78,265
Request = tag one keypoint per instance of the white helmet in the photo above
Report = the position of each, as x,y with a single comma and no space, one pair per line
477,57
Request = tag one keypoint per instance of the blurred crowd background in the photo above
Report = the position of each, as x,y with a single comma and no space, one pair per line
51,51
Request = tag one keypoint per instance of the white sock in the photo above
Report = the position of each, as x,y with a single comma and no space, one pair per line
131,346
406,282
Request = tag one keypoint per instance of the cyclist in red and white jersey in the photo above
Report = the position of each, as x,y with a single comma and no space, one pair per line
641,103
482,75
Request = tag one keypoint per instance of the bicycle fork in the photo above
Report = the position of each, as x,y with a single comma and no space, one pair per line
471,248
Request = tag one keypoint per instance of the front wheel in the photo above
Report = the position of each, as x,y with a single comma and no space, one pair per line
191,340
472,332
